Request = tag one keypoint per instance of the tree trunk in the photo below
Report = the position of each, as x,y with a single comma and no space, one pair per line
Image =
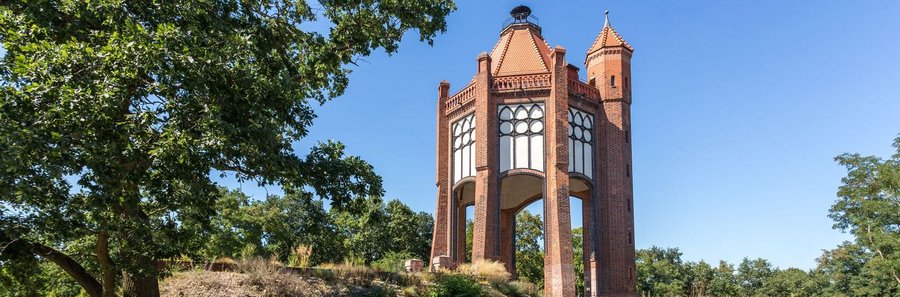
140,285
106,266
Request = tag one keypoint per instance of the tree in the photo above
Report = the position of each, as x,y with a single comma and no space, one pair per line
114,115
723,282
470,232
660,272
410,232
578,254
752,275
373,231
792,282
292,220
529,253
700,278
363,232
849,272
868,206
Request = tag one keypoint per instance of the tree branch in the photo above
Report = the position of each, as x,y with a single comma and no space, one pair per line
66,263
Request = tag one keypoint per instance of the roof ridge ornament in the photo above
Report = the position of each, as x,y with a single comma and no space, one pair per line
520,13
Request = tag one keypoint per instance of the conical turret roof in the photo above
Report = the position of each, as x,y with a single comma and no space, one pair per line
608,38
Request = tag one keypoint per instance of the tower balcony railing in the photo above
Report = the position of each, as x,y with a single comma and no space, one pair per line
585,90
462,97
520,82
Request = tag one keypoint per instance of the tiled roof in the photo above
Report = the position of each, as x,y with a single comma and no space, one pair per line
520,50
608,38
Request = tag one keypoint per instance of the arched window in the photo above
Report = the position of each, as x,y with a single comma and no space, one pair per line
626,83
612,81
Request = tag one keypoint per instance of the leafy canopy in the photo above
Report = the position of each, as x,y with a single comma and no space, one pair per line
115,115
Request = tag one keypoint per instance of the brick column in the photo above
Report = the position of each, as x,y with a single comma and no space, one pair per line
616,218
485,244
508,240
559,271
440,240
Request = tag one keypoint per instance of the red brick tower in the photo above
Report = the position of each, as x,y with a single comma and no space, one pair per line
526,128
609,69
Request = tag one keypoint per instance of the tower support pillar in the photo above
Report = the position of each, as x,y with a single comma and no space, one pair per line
559,270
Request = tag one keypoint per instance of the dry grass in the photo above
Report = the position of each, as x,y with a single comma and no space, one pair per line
300,256
225,260
485,269
258,277
350,271
206,283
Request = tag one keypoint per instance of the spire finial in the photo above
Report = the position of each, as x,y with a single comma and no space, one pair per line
606,16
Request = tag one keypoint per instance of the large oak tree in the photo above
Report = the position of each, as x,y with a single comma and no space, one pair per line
115,114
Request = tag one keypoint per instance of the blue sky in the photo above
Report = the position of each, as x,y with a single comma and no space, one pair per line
738,109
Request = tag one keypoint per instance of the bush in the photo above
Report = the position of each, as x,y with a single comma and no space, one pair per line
299,257
392,262
516,289
456,286
249,251
257,268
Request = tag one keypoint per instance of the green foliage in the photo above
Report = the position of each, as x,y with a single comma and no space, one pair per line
578,253
372,230
470,232
271,227
752,275
660,272
793,282
868,206
849,271
410,232
115,114
35,278
456,286
529,254
724,282
516,289
393,262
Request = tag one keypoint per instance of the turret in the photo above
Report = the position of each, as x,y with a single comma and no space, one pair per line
608,64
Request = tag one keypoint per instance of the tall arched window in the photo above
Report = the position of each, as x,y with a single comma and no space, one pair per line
612,81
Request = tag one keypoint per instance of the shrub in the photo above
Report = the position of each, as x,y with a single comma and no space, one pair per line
257,267
299,257
516,289
392,262
249,251
456,286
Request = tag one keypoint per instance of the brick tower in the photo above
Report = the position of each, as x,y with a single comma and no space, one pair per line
527,128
